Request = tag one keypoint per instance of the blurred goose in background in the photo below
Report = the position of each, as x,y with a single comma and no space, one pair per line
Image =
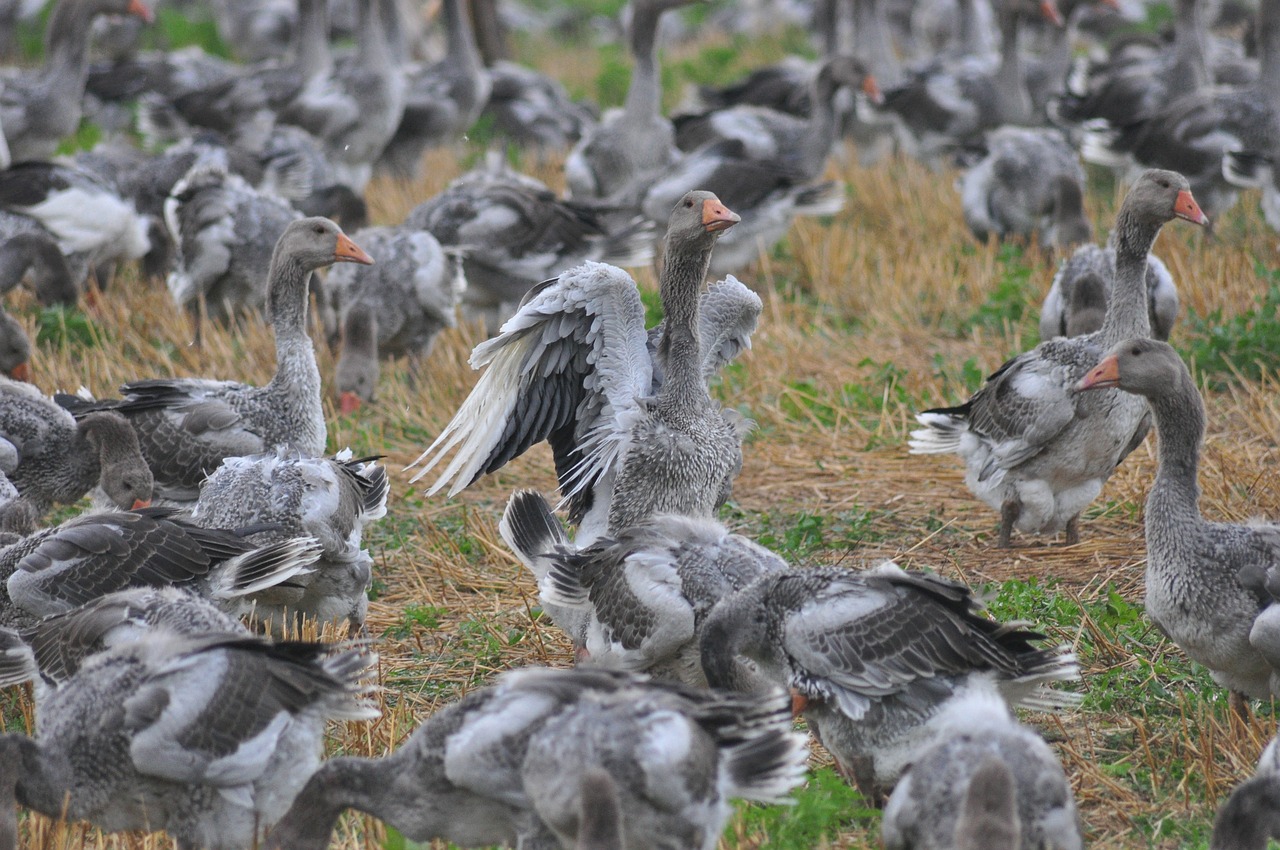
1210,586
1034,449
600,813
57,460
396,307
1030,185
1093,268
207,737
15,348
442,100
574,367
490,768
187,426
617,159
32,256
225,232
41,107
822,634
635,600
986,783
256,29
533,109
1251,816
514,233
57,569
290,495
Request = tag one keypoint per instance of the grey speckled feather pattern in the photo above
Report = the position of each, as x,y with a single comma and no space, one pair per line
1162,293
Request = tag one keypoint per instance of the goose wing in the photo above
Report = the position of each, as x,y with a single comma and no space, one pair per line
567,368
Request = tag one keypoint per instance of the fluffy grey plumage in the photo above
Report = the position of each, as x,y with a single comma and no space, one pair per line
1100,263
986,783
1251,815
1034,449
490,768
533,109
872,656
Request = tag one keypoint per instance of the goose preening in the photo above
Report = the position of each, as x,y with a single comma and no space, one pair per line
1077,299
1251,815
574,367
870,657
491,768
15,348
187,426
635,600
41,107
207,737
289,495
58,459
1030,184
1034,449
514,233
1208,584
31,255
396,307
987,783
59,568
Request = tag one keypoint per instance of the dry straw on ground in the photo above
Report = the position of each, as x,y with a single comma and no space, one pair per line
866,316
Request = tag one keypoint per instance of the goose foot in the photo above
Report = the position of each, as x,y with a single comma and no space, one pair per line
1073,530
861,774
1240,705
1008,516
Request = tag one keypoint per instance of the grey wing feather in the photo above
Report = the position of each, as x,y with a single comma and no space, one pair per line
728,314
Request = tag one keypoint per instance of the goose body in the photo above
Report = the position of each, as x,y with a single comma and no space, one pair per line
206,737
1250,816
1035,450
825,634
490,768
1207,583
187,426
635,600
330,500
987,783
624,447
533,109
1098,263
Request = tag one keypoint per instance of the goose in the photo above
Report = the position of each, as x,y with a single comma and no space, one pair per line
821,633
59,459
616,159
635,600
1207,583
534,110
1030,185
782,87
396,307
291,495
225,233
600,813
986,783
18,517
41,107
800,144
442,100
1098,263
490,768
574,367
1035,450
514,233
187,426
15,348
32,255
1250,815
208,737
94,225
57,569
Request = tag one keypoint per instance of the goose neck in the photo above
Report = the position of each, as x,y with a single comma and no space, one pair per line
1127,314
314,59
970,33
460,36
873,43
66,43
1179,419
644,95
1011,91
1269,48
296,370
372,48
680,348
1190,70
83,467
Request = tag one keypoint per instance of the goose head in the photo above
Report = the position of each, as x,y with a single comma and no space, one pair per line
1087,305
125,476
1145,367
136,8
1160,196
698,218
356,373
989,814
316,242
848,72
15,348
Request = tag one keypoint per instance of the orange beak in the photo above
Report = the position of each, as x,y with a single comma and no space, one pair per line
581,655
21,372
141,10
1105,374
347,251
716,216
1049,9
348,402
799,702
140,503
1186,207
872,89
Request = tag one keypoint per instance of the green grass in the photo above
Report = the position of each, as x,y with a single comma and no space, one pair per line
1245,344
823,806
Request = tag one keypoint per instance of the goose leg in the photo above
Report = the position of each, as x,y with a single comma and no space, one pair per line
1008,516
861,774
1073,530
1240,705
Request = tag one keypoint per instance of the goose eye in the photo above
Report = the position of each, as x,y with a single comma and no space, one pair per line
689,203
1135,351
319,229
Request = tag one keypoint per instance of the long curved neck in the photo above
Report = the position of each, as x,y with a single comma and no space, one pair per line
83,467
822,123
644,95
460,37
1127,314
1011,90
1179,417
295,358
372,45
970,34
66,44
872,42
680,349
1269,48
314,59
1189,71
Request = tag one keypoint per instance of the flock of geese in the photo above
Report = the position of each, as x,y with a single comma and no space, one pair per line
156,706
